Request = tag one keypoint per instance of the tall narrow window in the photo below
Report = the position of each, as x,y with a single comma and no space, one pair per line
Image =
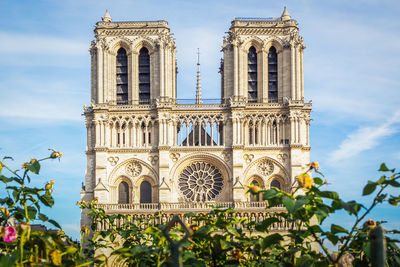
122,77
272,75
145,192
144,76
275,183
252,75
123,193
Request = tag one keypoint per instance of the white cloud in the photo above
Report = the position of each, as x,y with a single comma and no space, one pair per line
365,138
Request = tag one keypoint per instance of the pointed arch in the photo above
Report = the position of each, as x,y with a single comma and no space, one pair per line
252,72
122,76
144,76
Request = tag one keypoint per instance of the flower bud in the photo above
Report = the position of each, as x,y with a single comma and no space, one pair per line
305,181
255,189
370,224
313,165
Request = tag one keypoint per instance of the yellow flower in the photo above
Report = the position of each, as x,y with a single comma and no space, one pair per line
237,254
33,161
194,227
25,165
55,257
55,154
305,180
5,211
313,165
370,224
48,186
85,230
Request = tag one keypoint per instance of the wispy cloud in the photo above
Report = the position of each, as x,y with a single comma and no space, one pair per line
41,50
40,44
365,138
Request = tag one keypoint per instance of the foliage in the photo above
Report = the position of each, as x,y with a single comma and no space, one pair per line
19,244
220,239
217,238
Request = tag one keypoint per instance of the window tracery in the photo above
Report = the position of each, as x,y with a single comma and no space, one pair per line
252,75
122,77
200,181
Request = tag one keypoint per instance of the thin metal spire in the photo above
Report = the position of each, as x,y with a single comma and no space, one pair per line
198,85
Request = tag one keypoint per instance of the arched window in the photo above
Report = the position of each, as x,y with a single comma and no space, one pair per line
272,75
144,76
252,75
275,183
145,192
122,77
255,198
123,193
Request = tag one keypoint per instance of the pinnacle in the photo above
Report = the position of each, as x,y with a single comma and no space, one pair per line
285,14
106,17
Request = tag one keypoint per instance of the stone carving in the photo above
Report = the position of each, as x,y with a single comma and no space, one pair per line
174,156
282,157
248,157
113,160
133,168
265,167
200,181
226,155
153,159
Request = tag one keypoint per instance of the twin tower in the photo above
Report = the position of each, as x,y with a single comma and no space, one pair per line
147,152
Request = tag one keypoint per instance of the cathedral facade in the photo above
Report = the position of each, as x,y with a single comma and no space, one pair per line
147,151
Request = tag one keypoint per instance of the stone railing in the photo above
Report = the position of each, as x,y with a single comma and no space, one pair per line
183,207
162,213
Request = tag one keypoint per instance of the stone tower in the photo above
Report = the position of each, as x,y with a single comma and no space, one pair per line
147,151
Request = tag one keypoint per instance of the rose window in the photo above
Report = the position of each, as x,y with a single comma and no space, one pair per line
133,168
265,167
200,181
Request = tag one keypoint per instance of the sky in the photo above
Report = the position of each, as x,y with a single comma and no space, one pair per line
351,73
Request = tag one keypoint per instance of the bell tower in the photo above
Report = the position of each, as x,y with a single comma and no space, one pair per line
132,62
263,60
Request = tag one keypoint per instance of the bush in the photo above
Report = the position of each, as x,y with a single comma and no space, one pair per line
217,238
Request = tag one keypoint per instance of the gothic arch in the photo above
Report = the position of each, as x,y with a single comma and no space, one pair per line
143,42
117,169
127,180
257,178
119,42
282,172
253,41
276,42
153,184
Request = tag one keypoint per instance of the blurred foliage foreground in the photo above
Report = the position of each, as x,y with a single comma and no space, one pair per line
214,239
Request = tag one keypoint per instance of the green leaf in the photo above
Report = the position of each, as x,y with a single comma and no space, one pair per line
265,224
318,181
289,203
224,244
369,188
43,217
271,240
383,168
300,203
352,207
47,199
34,167
270,193
54,223
232,230
32,212
329,194
338,229
333,238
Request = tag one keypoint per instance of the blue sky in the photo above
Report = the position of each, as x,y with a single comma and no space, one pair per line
351,74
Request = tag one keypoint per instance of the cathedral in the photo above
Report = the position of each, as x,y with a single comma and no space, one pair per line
147,151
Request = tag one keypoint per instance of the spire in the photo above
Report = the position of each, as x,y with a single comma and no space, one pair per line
198,85
285,15
107,17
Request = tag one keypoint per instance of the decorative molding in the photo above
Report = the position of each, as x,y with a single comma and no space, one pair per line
153,159
248,158
113,160
174,156
282,157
